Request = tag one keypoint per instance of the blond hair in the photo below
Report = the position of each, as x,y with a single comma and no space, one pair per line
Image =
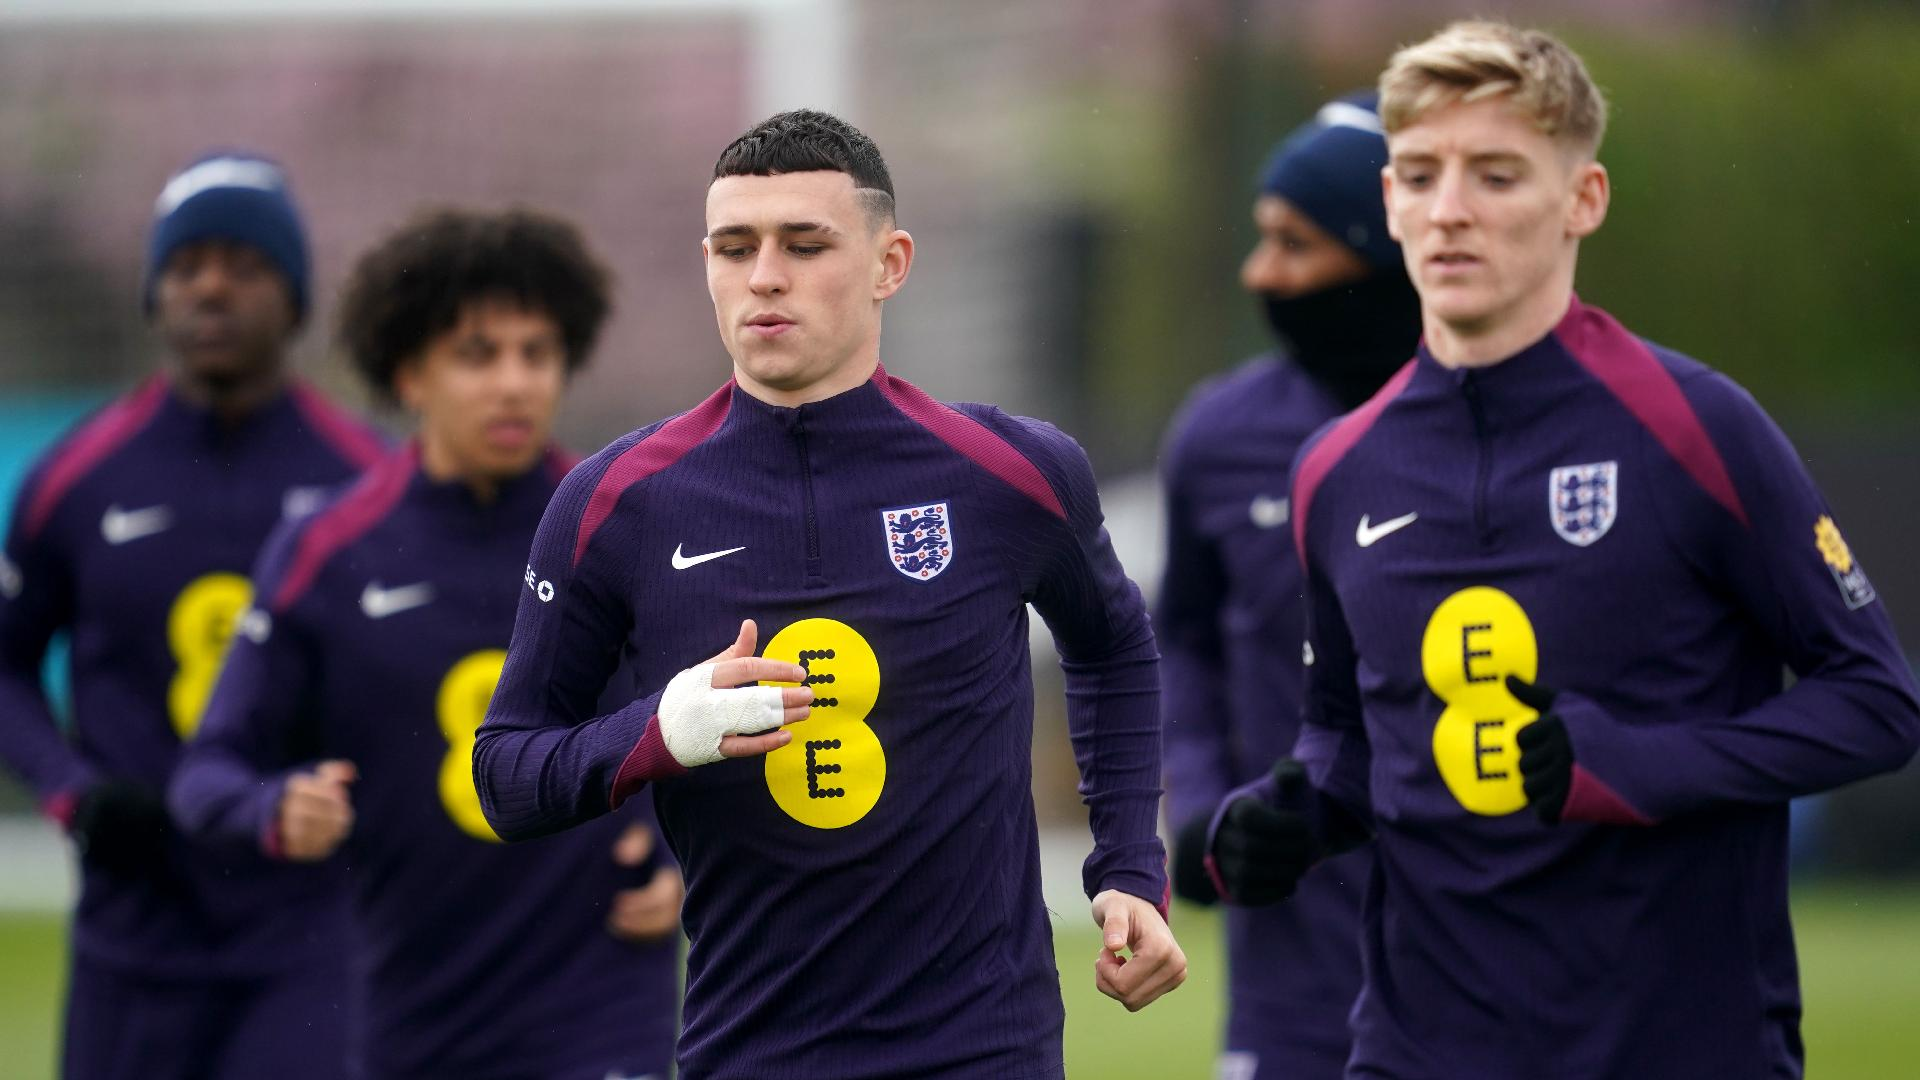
1474,60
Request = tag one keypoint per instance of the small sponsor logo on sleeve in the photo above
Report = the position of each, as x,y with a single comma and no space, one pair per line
541,589
256,626
10,579
1847,573
299,501
1237,1065
1268,512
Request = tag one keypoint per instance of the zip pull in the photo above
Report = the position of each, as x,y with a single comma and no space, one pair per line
1483,438
798,425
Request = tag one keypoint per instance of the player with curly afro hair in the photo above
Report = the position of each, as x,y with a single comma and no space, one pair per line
383,620
420,281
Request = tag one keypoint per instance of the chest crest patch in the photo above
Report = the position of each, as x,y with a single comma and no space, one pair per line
1583,500
919,539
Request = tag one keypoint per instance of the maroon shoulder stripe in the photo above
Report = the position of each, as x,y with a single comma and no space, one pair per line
972,439
1333,446
107,431
668,444
365,504
350,438
559,462
1627,368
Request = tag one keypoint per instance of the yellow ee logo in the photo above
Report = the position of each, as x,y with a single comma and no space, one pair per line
461,705
833,771
199,626
1475,639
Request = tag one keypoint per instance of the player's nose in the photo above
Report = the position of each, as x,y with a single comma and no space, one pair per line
1449,205
1260,269
769,274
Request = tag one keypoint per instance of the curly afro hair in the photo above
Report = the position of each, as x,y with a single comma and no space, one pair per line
415,285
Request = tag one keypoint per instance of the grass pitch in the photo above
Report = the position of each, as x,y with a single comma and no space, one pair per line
1859,955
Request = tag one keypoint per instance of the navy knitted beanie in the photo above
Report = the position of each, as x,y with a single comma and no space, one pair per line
236,196
1330,167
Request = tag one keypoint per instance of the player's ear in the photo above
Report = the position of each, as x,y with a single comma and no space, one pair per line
1386,198
409,383
896,259
1592,191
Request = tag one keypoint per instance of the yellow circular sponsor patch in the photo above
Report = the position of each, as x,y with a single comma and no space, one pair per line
199,626
461,705
1475,639
833,771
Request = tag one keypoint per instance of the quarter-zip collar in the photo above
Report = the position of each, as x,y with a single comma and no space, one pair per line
1497,402
1516,389
809,438
861,404
204,429
515,498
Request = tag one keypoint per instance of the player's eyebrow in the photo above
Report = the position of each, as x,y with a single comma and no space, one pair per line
1478,157
722,232
1497,157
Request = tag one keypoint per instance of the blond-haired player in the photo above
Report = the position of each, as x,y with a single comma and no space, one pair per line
1585,881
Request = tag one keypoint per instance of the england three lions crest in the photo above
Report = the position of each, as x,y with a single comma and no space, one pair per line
919,539
1583,499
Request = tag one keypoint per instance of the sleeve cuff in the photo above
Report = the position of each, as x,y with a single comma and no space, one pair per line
1590,799
267,817
1597,745
59,806
646,762
1139,885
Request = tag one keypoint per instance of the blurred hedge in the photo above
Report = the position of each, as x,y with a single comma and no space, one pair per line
1763,216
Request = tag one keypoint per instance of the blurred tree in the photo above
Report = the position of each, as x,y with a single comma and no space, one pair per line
1763,216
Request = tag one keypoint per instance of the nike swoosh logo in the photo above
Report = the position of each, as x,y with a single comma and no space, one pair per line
120,526
378,603
1268,512
681,562
1367,535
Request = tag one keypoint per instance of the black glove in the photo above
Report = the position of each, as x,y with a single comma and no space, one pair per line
1190,879
1261,851
121,827
1546,752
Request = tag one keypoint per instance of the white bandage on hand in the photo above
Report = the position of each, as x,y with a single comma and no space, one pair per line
695,716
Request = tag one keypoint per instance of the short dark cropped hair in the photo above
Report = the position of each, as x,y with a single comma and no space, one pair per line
416,284
806,140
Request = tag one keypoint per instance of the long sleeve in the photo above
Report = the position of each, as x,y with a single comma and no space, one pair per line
1337,799
1333,735
1101,630
36,601
1852,711
226,788
543,760
1193,670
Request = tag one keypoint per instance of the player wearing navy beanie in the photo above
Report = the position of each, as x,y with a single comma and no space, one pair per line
1330,281
133,535
1352,333
239,198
